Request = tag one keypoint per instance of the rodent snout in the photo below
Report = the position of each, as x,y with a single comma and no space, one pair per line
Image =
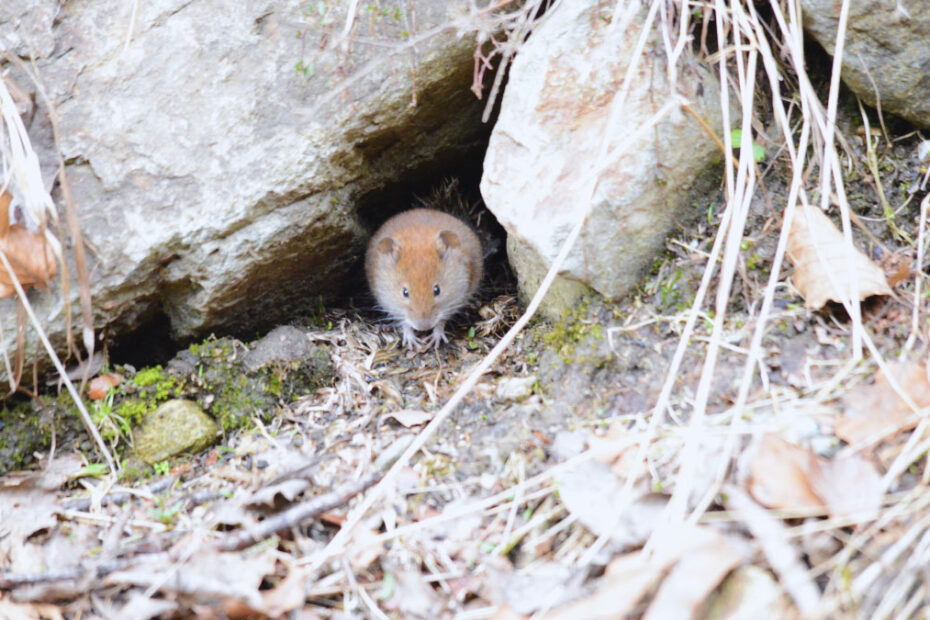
421,324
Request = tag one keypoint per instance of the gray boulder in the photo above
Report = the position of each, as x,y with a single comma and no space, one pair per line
220,153
537,171
886,53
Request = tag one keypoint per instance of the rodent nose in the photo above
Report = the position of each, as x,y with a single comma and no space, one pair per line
422,323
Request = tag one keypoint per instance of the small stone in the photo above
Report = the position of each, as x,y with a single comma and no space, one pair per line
282,344
176,426
923,151
515,388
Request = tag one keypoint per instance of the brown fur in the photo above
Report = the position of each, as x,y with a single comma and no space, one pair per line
418,250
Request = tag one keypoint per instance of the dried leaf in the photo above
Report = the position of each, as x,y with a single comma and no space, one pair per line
694,577
593,494
849,486
30,255
779,474
772,538
286,596
279,494
411,417
543,586
629,577
99,387
825,266
750,592
139,605
877,411
413,597
625,582
26,611
789,477
227,580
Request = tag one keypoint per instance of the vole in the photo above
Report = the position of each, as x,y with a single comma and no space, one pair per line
423,265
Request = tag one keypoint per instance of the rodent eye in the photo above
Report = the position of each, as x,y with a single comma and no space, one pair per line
436,291
406,292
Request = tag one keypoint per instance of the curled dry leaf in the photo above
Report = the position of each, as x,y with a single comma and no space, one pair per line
786,476
691,581
849,486
30,255
411,417
779,475
825,267
696,560
876,411
98,387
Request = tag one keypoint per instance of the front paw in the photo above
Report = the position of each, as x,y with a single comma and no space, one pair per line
436,337
410,340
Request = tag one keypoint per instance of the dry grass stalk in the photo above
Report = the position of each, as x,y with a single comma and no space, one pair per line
24,168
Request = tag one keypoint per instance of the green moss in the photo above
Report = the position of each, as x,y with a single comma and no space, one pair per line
133,470
274,385
132,409
575,328
149,376
168,388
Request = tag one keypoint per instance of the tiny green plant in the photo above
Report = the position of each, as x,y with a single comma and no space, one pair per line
166,514
94,470
736,140
162,468
472,344
111,425
388,586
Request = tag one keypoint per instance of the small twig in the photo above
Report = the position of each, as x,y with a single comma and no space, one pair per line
10,581
118,499
297,514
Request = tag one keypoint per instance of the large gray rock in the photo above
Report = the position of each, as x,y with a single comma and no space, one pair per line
887,50
220,152
545,143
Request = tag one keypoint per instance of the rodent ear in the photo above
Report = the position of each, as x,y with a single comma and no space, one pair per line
446,239
389,246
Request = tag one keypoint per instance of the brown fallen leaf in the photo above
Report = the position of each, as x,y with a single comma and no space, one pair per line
779,474
625,581
786,476
99,387
825,267
848,485
28,611
750,592
287,595
695,576
411,417
876,411
629,577
30,254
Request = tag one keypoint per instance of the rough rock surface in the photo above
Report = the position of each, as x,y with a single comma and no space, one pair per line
220,153
886,51
543,149
175,427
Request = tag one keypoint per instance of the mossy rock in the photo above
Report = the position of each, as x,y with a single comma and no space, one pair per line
229,381
175,427
23,430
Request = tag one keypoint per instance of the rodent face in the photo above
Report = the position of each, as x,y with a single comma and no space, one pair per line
420,281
